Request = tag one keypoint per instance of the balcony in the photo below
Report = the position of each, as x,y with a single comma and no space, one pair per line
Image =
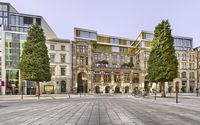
111,69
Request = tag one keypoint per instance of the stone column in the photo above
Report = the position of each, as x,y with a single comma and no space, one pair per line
122,78
112,78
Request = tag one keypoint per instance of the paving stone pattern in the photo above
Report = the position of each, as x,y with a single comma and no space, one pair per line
101,110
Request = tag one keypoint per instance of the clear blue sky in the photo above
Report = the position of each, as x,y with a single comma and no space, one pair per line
125,18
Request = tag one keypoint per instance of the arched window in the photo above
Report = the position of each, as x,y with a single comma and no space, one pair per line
184,75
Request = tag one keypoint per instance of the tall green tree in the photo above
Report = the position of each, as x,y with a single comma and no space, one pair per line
34,62
162,63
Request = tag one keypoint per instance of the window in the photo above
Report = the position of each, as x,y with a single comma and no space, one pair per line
105,57
114,58
136,78
52,70
183,56
117,77
191,75
184,65
86,61
21,21
63,71
184,75
82,49
62,58
122,59
38,21
85,34
52,58
123,50
128,43
114,65
149,36
107,77
114,41
52,47
80,60
126,77
192,66
97,57
62,47
28,21
184,83
115,49
142,44
178,56
13,20
97,77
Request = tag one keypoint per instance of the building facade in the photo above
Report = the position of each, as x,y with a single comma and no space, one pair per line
102,63
187,62
197,49
13,33
60,64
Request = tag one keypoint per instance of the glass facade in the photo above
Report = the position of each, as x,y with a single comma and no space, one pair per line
149,36
4,15
13,48
183,44
21,23
89,35
114,41
115,49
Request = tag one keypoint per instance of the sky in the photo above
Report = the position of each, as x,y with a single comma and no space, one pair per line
123,18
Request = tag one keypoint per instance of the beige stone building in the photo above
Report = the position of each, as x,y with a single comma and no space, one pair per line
197,49
60,65
103,64
187,59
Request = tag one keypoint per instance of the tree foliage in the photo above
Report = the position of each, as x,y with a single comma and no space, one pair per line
128,65
162,63
34,63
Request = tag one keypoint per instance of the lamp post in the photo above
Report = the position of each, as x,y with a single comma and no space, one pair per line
177,90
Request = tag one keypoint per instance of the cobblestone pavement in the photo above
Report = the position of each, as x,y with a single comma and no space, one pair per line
101,110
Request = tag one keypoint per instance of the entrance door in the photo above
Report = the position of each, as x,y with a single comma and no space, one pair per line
63,87
97,89
107,89
82,83
117,89
126,89
146,85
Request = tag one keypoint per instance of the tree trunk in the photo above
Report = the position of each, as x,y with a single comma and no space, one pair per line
37,89
163,94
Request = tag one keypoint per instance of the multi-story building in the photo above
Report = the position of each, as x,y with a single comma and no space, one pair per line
60,64
197,49
102,63
13,33
187,74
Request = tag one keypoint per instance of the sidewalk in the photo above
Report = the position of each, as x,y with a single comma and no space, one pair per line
42,97
181,95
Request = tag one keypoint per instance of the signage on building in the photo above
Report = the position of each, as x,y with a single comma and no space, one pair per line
49,88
